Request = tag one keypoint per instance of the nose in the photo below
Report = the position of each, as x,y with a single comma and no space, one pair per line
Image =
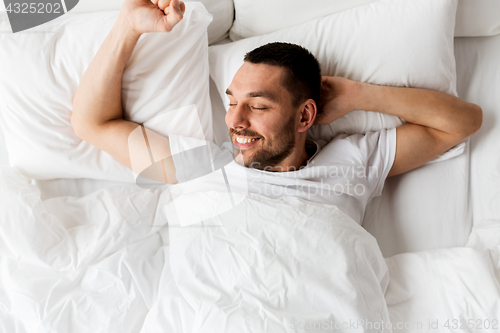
237,117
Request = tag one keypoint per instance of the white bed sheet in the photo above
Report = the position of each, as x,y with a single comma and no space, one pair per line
4,155
478,61
448,290
77,188
458,289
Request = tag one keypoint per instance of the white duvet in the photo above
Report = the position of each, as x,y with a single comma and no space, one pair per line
103,262
278,266
107,262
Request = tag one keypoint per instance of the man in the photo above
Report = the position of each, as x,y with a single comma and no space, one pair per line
274,100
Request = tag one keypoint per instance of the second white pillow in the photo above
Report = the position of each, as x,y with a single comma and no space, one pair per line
258,17
390,42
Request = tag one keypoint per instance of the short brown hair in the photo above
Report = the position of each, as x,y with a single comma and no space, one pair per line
303,71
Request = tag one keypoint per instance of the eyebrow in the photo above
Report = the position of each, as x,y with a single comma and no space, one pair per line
264,94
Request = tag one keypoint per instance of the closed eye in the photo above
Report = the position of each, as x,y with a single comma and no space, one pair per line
251,107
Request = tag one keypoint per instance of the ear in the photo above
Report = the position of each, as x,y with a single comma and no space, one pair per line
308,111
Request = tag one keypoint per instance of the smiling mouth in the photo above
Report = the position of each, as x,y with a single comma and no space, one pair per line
244,142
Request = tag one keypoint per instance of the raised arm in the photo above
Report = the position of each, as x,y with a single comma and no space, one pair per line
436,121
97,108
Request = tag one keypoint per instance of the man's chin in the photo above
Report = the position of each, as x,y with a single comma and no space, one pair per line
239,159
247,160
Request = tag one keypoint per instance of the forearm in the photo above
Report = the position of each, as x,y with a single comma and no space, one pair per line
424,107
98,97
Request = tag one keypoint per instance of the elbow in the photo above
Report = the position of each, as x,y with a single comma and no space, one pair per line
476,119
75,120
473,122
470,125
77,125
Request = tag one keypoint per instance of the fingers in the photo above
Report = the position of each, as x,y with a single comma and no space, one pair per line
178,5
182,7
163,4
173,14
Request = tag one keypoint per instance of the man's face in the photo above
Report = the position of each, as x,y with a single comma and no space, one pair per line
261,118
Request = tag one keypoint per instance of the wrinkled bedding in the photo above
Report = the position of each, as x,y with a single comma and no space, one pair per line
67,264
109,261
88,256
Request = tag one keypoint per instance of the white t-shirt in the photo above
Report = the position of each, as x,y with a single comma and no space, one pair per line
346,172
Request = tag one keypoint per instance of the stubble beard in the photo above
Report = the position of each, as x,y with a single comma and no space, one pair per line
269,153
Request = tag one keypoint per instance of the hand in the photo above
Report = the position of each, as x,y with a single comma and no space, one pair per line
337,99
152,15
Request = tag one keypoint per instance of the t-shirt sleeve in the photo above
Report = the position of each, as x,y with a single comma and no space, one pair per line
377,150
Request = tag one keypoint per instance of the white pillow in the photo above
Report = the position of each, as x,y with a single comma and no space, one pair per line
478,18
389,42
42,67
222,10
258,17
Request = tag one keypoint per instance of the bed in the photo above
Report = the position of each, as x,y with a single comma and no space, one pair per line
84,246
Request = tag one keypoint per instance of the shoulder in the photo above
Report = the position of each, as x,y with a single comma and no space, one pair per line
371,138
357,148
339,150
374,142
